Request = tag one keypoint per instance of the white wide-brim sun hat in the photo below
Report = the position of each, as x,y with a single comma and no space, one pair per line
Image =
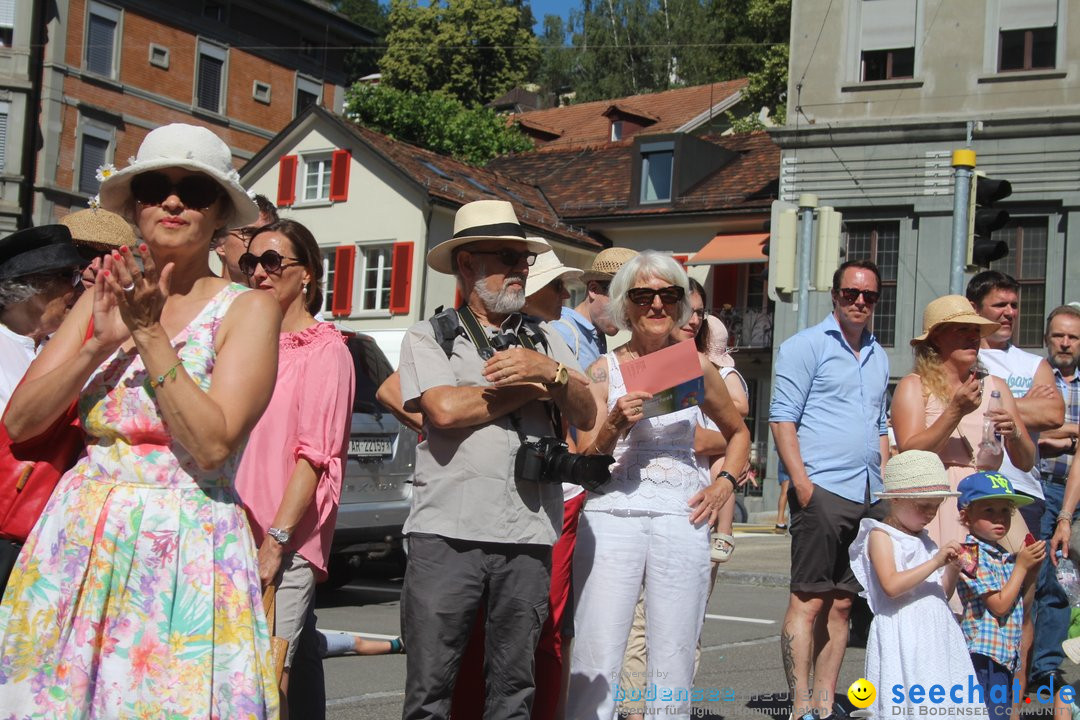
916,474
481,220
181,146
546,270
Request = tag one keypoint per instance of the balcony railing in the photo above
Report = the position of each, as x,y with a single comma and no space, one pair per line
748,328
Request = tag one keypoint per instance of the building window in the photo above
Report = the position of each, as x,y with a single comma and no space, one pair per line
1027,49
880,242
93,153
1026,261
887,39
616,130
317,171
210,78
102,33
308,93
7,23
328,258
376,264
657,165
4,109
888,64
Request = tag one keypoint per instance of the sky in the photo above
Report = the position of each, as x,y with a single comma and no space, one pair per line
540,8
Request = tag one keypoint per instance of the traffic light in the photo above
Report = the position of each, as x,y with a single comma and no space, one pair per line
781,248
827,252
984,219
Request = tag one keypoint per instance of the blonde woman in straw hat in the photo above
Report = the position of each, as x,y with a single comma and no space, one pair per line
913,639
942,404
137,593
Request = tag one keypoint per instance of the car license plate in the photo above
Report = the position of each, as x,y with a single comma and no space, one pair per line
370,447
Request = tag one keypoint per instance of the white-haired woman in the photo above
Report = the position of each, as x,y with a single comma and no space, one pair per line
137,592
638,530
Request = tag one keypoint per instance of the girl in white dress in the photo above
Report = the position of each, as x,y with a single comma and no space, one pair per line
914,638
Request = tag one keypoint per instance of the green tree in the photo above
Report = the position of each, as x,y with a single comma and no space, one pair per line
436,121
375,17
474,50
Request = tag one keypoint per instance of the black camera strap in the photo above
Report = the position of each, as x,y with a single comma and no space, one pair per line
479,338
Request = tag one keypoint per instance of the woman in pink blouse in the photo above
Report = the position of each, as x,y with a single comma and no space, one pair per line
290,476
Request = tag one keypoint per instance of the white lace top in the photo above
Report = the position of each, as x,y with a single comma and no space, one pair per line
655,468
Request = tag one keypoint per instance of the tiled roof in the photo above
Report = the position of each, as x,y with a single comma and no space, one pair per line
595,182
458,183
587,123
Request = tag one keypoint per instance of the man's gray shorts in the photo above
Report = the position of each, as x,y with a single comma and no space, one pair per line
446,581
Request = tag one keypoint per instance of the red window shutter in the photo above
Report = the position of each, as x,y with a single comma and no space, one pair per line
286,184
681,259
344,265
401,278
339,175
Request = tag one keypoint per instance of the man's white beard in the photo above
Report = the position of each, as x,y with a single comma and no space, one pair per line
507,300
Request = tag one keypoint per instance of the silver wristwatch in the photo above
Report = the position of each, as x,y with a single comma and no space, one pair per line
282,536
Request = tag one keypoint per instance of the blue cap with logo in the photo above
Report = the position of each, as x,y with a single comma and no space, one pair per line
989,485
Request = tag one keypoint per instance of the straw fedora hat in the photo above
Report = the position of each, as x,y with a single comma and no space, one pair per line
182,146
716,347
546,270
607,263
953,310
916,474
99,230
481,220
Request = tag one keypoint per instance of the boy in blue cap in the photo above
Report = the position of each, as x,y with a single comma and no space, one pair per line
993,594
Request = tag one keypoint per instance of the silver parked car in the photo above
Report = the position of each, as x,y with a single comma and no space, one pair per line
377,487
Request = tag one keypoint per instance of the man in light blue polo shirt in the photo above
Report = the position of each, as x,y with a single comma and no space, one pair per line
828,422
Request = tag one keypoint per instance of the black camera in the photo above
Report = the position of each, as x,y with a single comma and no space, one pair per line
549,459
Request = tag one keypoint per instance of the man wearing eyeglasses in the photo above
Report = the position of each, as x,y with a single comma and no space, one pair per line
996,296
828,422
231,244
39,282
479,536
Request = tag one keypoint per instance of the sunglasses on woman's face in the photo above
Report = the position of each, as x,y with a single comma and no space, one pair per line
272,261
197,192
850,295
644,296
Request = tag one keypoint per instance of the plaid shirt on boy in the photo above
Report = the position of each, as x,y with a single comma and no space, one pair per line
997,639
1070,390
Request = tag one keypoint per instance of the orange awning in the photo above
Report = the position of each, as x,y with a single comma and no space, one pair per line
731,250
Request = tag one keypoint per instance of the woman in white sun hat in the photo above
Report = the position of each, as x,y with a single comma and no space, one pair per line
914,639
137,594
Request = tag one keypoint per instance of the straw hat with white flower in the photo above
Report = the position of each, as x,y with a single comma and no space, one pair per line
916,474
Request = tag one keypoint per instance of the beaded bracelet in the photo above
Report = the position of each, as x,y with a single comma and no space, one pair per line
170,374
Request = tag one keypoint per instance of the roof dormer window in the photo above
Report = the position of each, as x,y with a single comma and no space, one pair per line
616,130
657,165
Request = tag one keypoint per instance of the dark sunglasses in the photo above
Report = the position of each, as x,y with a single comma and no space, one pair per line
271,260
850,295
644,296
509,258
197,192
71,278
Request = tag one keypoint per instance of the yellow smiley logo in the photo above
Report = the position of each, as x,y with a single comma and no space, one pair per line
861,693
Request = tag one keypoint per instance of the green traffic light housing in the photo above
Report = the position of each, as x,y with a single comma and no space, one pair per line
984,219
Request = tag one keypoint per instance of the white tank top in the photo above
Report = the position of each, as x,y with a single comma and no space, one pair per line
1017,368
655,470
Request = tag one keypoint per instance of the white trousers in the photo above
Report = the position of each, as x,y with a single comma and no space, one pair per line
614,553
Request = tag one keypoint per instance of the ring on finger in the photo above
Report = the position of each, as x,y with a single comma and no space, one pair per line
129,287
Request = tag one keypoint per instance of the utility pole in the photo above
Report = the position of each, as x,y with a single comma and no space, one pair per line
807,204
964,163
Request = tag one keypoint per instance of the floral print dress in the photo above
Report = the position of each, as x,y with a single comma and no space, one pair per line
137,594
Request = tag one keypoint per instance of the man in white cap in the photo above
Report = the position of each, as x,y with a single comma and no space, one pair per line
481,525
587,327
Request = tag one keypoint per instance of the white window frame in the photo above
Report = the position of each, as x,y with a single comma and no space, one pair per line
217,52
158,56
309,85
853,54
106,12
98,131
308,160
385,275
616,130
260,91
992,38
329,256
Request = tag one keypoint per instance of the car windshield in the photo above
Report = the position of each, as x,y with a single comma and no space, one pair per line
372,368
